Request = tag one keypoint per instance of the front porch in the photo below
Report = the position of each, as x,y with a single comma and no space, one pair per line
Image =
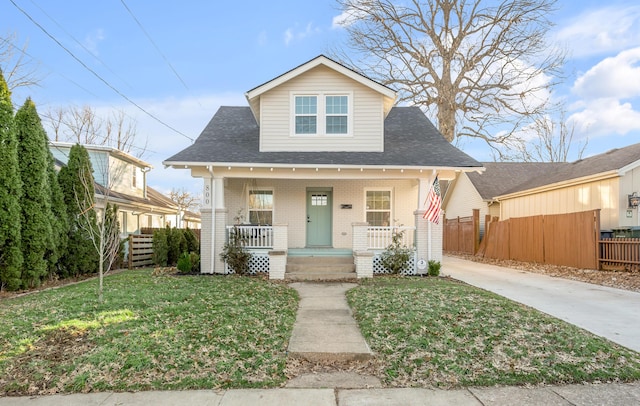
271,255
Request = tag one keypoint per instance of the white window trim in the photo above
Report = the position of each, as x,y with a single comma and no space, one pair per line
391,200
321,114
260,189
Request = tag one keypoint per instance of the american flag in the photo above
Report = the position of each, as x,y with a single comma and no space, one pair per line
433,202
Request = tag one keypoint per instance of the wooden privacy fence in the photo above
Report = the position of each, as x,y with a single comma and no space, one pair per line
570,239
462,234
140,250
620,254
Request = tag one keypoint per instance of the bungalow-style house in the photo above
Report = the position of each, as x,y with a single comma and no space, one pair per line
609,182
473,190
319,164
139,206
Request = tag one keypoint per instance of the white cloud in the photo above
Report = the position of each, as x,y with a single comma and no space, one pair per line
349,16
617,77
292,34
606,116
92,40
602,30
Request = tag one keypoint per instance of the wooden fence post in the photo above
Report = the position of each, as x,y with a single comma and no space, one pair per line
130,251
476,230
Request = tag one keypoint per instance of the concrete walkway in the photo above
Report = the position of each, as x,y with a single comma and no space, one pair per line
577,395
325,328
607,312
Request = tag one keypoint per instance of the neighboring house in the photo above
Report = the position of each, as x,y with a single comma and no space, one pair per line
606,181
319,163
139,206
472,190
603,181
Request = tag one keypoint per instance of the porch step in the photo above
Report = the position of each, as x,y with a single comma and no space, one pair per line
320,268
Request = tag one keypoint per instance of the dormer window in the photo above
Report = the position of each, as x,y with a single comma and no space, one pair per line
306,114
321,114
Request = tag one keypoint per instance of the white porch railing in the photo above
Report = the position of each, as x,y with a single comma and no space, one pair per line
254,236
380,237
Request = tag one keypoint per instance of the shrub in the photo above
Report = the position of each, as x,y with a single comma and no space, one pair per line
184,263
177,244
193,245
160,247
234,253
434,268
195,262
396,256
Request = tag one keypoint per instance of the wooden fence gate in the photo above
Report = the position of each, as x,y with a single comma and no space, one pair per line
564,239
462,234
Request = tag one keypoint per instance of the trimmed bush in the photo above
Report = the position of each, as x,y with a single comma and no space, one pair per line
434,268
160,247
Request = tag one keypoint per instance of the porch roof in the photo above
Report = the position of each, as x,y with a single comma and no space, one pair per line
410,140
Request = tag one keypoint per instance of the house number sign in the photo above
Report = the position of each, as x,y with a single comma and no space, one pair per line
207,195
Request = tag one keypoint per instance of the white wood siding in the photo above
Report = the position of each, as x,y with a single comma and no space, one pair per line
276,111
463,199
629,183
603,194
289,199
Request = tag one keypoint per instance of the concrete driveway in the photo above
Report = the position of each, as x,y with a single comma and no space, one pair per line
607,312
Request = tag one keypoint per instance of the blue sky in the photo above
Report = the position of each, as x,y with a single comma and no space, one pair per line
219,50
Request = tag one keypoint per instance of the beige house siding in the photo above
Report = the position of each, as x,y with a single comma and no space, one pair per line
629,183
289,199
601,194
121,177
463,199
276,120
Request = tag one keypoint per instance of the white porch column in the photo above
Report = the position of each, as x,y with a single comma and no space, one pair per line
278,255
214,221
207,238
220,224
428,235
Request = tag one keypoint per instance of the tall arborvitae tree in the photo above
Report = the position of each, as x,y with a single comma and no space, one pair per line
10,191
35,202
76,181
60,223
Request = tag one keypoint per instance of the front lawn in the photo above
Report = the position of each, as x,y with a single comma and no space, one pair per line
432,332
161,332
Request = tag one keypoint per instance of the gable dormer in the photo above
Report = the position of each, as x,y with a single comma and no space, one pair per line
321,106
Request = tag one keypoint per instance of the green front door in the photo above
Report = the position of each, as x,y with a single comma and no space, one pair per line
319,218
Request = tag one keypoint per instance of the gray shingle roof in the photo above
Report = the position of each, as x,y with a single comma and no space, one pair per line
502,177
232,136
611,160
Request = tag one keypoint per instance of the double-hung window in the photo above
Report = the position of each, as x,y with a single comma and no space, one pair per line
321,114
337,110
261,207
378,208
306,114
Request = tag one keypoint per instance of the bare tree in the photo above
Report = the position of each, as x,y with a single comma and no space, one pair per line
552,141
84,125
184,199
483,69
17,66
101,216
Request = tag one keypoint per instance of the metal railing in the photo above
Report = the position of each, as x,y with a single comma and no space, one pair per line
380,237
253,236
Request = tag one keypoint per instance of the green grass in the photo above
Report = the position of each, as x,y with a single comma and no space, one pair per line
200,332
437,333
151,332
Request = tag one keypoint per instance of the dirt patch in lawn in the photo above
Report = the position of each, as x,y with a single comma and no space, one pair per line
37,370
628,280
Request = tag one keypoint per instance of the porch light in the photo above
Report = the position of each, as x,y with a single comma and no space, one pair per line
634,200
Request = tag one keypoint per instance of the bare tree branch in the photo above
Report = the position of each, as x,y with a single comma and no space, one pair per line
17,66
184,199
484,70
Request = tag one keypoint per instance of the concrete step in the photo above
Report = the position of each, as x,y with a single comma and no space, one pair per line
320,268
314,260
320,276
